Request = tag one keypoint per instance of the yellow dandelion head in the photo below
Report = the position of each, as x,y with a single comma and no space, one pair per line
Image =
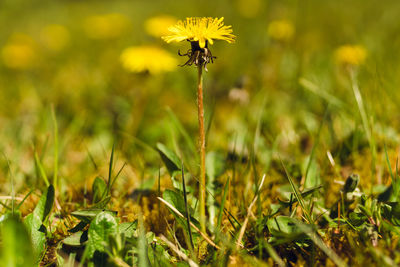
351,55
201,30
158,26
106,26
281,30
55,37
147,58
19,52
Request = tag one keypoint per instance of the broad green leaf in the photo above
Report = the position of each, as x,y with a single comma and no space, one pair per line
38,238
16,249
170,159
77,239
102,226
37,218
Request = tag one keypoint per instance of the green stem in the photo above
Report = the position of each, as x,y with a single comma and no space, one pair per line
202,144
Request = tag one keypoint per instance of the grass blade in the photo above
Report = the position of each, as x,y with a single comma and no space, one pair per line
55,171
365,122
315,145
25,197
388,163
221,209
110,169
39,165
12,185
297,193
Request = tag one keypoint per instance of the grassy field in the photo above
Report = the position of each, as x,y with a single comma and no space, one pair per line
100,162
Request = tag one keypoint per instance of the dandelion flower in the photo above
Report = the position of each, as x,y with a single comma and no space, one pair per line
351,55
106,26
19,52
147,58
200,32
281,30
158,26
55,37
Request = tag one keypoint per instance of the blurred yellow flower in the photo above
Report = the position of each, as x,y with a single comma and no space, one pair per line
351,55
147,58
200,30
106,26
55,37
249,8
158,26
19,52
281,30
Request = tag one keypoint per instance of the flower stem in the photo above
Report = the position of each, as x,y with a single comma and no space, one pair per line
202,144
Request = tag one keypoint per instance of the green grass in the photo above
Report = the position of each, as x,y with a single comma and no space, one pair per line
100,166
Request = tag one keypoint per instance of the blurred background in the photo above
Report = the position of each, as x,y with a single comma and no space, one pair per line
103,69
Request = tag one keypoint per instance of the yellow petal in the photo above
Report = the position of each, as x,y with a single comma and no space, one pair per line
202,43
